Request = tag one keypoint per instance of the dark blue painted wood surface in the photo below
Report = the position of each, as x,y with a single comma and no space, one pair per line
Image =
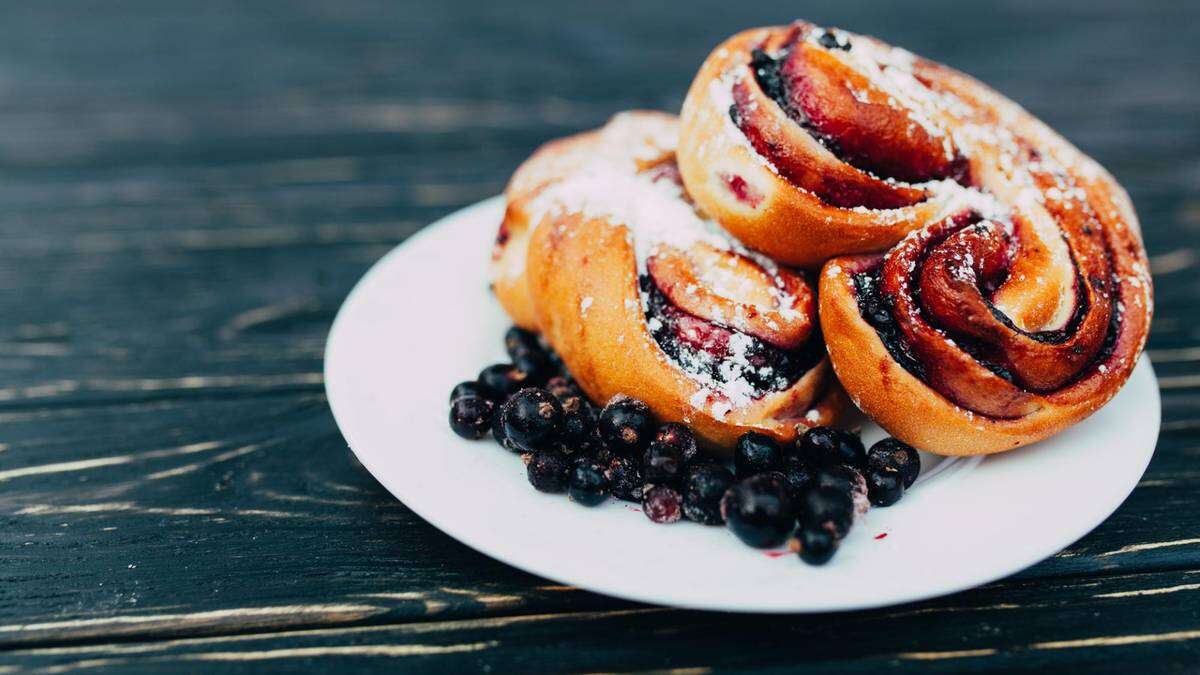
188,191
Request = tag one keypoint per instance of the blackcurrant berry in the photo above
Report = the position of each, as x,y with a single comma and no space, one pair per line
662,463
898,455
798,474
625,479
681,438
504,379
758,511
517,340
703,487
846,480
587,484
662,504
498,430
563,387
471,416
626,425
547,471
822,446
885,486
471,388
756,453
826,508
579,418
815,546
528,355
533,419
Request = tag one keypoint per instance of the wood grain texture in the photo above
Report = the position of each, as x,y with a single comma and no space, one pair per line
1116,623
187,192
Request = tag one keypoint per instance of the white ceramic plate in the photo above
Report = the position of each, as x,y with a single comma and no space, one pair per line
423,319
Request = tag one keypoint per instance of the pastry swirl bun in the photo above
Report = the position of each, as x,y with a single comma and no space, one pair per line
1014,315
642,296
807,143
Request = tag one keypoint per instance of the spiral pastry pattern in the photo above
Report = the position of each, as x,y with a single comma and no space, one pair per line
642,296
806,143
1018,311
984,284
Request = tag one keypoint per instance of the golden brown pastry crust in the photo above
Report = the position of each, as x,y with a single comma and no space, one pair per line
546,166
612,352
1012,318
755,199
917,414
1011,295
583,280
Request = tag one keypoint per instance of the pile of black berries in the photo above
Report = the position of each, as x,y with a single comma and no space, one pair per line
833,479
806,493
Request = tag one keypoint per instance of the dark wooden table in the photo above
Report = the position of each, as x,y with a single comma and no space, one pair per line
187,193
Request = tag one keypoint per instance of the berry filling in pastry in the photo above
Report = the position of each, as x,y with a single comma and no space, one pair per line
727,358
933,303
849,106
807,142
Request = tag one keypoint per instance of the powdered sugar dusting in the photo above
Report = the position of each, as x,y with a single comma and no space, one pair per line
654,212
620,184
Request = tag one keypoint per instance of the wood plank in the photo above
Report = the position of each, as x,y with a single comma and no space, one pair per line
216,516
1111,623
186,516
